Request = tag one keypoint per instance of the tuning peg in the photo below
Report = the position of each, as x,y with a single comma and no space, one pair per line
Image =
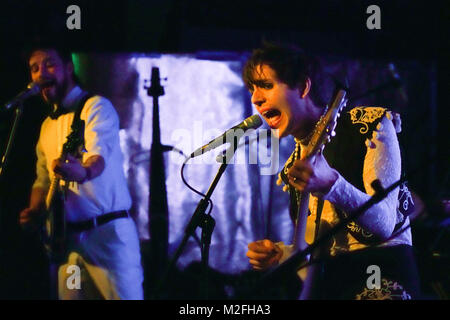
333,133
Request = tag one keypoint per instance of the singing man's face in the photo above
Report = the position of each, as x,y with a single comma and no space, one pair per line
276,101
48,65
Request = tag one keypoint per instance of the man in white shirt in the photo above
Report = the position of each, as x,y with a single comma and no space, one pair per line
102,238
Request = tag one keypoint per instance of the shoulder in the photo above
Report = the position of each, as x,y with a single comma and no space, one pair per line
98,106
98,102
366,118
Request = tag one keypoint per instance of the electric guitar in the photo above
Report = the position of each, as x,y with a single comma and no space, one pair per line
55,229
322,134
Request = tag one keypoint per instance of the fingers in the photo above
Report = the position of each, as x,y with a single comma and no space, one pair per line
262,246
299,174
263,254
24,216
71,159
300,168
65,169
59,168
27,215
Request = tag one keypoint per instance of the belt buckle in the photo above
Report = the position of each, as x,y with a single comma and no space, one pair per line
95,222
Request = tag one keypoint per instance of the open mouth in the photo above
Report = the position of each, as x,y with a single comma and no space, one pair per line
272,117
47,90
271,113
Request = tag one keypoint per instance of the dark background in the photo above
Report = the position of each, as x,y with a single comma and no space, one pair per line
410,31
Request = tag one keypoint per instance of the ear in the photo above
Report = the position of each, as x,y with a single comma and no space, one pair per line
304,91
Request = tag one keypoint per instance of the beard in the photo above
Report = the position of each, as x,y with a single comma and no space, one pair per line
60,90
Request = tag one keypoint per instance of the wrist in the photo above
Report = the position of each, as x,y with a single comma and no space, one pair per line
87,176
332,183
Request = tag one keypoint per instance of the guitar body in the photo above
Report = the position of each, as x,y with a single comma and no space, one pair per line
56,227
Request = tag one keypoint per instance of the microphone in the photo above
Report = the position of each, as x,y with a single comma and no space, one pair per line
398,82
252,122
32,89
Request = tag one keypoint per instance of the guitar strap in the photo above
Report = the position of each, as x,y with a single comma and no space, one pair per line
77,123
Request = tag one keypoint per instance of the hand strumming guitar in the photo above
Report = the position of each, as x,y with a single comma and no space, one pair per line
263,254
73,170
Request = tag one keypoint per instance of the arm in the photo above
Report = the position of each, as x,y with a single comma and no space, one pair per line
102,126
382,162
74,170
37,204
39,189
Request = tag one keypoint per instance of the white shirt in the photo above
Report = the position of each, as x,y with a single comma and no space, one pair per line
106,193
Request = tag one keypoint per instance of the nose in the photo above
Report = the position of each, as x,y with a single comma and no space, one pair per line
41,73
258,98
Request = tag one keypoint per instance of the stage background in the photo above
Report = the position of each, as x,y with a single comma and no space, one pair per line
200,47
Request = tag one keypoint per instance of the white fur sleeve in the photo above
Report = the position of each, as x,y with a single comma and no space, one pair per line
383,162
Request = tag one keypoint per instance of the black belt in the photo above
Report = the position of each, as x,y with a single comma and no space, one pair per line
95,222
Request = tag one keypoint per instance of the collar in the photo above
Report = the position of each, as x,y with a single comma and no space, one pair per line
69,103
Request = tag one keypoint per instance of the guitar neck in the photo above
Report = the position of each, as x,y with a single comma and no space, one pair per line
51,192
300,225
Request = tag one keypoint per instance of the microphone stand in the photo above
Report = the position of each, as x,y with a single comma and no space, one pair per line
4,160
204,221
292,265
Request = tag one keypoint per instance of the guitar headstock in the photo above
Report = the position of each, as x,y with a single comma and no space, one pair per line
75,140
324,129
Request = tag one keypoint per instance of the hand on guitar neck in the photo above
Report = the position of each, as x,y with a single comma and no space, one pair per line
73,170
312,175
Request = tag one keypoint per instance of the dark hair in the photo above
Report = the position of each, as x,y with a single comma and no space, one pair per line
63,53
292,66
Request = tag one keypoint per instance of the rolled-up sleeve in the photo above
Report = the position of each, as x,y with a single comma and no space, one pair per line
42,177
101,127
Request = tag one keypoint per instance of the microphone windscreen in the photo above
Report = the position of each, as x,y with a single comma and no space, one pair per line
252,122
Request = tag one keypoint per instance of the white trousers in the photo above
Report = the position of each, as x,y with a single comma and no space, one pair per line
103,263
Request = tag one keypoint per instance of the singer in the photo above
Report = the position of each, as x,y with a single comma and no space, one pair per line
289,89
101,237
